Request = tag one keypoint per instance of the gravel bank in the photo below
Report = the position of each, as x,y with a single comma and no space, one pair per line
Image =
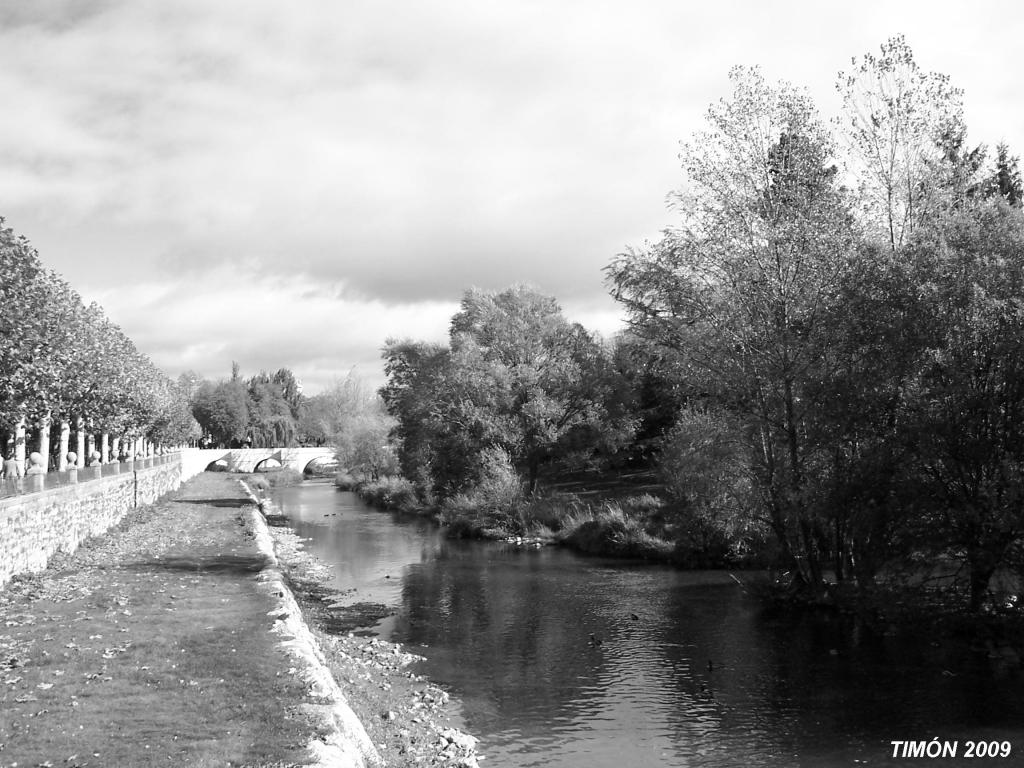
408,718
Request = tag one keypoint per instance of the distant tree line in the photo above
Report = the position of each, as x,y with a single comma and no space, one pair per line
825,356
64,364
270,410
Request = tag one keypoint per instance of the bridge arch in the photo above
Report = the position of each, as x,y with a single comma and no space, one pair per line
248,459
328,463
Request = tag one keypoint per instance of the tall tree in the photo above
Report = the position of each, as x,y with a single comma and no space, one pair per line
222,410
270,414
742,287
415,379
536,383
516,376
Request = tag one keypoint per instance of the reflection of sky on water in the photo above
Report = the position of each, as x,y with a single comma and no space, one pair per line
508,630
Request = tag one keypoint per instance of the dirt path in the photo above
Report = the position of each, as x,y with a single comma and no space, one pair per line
150,646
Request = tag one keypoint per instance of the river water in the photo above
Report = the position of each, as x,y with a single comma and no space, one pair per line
573,661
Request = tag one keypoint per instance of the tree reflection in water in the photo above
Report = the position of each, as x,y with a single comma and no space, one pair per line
508,631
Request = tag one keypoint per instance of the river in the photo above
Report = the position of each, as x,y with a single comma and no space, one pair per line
574,661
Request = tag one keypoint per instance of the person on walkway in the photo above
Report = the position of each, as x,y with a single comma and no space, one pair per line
12,469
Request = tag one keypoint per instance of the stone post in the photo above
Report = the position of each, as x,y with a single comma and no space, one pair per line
44,441
105,448
65,440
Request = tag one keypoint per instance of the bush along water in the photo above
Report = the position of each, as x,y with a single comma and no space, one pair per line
498,506
388,493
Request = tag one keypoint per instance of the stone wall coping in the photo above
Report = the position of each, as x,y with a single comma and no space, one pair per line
85,486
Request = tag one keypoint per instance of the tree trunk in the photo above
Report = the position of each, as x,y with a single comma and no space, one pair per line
19,445
65,439
44,441
80,442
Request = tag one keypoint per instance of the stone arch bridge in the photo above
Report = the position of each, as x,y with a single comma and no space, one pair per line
253,459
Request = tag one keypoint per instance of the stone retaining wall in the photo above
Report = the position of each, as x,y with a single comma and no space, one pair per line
35,526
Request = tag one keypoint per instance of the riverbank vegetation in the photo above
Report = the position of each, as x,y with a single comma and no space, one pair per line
822,365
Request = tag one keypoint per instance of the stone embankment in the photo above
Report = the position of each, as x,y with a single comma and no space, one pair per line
408,718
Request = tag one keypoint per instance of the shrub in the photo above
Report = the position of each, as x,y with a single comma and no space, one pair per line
611,530
345,481
389,493
495,506
704,467
551,512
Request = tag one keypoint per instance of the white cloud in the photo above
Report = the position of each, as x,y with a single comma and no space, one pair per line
394,153
265,323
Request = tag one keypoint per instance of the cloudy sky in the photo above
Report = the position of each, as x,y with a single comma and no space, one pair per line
288,184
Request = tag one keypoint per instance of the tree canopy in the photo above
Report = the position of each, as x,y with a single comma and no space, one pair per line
61,358
846,342
516,375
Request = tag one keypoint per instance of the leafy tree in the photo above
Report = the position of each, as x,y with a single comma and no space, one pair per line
363,444
516,375
740,290
323,414
896,116
528,380
968,412
656,385
415,380
62,359
174,423
188,382
705,467
271,419
291,391
222,410
20,324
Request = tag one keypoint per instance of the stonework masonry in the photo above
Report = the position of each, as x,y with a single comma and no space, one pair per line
36,525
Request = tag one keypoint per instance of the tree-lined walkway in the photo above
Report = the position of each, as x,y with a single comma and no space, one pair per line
151,646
